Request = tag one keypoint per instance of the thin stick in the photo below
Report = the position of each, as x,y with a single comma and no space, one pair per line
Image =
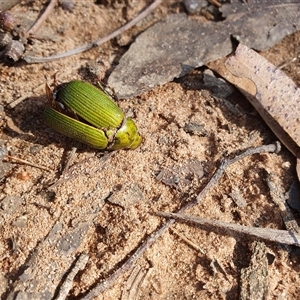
134,282
108,282
186,240
42,18
268,234
68,282
143,14
215,2
278,196
25,162
227,162
70,159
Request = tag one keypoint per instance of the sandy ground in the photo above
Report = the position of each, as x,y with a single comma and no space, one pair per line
115,196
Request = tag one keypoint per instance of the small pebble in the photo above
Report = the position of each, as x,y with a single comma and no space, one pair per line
67,5
7,21
194,6
14,50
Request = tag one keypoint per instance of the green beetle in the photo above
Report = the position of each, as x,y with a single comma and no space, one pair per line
81,111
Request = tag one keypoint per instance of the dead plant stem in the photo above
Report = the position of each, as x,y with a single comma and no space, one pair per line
42,18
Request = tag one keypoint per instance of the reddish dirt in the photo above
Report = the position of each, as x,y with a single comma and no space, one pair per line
119,223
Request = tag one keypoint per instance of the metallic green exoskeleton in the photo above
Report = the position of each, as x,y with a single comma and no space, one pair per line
85,113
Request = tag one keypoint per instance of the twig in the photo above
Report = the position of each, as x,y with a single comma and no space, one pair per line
67,284
25,162
269,234
186,240
143,14
215,2
42,18
227,162
277,195
108,282
132,287
105,284
287,63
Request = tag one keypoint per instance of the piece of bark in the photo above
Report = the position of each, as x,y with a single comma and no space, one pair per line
254,279
268,89
68,282
278,196
170,48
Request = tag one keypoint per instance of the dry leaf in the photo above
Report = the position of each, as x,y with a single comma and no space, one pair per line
274,95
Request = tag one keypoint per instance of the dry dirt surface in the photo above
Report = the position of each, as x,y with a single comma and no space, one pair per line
104,204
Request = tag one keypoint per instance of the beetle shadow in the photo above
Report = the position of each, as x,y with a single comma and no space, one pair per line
25,121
